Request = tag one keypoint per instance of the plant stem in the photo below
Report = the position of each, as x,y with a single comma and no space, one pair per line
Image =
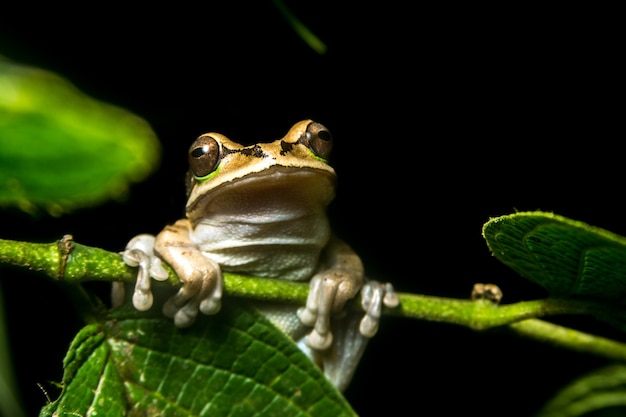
71,263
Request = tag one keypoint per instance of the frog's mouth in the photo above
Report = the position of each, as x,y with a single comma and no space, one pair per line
277,189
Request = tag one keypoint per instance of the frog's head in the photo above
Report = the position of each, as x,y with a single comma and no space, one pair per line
226,176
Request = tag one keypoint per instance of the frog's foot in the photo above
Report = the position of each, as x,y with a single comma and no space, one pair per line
374,295
140,252
201,292
328,293
338,353
323,291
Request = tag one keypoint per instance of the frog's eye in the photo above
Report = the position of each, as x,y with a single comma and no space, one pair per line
319,139
204,156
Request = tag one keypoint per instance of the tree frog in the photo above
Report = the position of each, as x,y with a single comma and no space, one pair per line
261,210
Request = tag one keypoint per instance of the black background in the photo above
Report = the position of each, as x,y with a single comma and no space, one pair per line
442,116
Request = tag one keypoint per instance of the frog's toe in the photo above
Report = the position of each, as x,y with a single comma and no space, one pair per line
318,310
118,292
319,341
140,244
307,316
156,269
321,337
176,303
391,299
139,253
374,295
186,315
142,296
211,305
210,295
196,295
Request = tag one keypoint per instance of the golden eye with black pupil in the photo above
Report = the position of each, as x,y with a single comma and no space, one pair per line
204,156
319,139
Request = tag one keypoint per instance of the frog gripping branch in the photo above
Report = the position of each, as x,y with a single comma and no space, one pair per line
261,210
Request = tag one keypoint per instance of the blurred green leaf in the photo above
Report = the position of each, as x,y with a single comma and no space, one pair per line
602,392
60,149
232,364
300,28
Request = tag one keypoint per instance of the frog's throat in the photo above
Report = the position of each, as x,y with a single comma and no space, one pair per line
278,185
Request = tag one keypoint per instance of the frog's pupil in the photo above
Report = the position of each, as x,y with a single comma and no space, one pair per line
198,152
324,135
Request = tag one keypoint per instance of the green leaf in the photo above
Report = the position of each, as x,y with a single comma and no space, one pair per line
567,257
602,392
234,363
60,149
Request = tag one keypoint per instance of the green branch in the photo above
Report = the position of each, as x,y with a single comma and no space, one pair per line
72,263
570,339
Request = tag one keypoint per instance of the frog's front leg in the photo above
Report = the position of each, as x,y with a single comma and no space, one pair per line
201,277
330,289
339,280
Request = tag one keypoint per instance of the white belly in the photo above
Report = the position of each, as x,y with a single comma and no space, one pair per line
284,244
